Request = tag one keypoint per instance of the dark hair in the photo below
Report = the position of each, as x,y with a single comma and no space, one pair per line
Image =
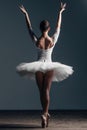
44,25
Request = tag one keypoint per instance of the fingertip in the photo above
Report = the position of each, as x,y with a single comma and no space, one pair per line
64,5
19,6
61,3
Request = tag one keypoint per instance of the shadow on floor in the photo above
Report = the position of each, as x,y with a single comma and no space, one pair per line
19,126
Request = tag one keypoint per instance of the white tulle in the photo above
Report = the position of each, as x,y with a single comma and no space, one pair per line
44,63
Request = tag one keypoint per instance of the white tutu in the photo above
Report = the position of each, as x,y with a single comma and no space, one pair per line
61,71
44,64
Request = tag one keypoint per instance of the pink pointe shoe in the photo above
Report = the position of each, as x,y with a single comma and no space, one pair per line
45,120
48,118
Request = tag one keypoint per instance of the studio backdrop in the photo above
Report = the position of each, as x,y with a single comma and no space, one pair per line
16,46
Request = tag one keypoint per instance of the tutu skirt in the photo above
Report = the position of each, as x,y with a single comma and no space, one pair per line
61,71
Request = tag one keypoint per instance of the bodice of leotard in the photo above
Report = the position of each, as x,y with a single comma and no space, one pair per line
45,55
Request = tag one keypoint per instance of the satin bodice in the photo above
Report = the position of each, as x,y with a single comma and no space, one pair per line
45,55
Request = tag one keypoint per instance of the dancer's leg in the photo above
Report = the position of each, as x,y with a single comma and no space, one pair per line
39,81
46,90
44,84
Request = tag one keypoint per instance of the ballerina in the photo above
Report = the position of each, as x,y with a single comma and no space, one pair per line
44,70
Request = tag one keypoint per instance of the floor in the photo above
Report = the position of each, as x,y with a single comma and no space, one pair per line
30,120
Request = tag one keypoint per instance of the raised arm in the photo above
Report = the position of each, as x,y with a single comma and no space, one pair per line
58,25
32,34
59,20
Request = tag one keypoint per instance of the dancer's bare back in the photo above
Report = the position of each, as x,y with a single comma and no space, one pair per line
44,42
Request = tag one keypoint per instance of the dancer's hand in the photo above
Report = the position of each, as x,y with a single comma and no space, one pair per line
62,7
23,9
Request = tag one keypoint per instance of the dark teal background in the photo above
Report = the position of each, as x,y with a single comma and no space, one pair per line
16,47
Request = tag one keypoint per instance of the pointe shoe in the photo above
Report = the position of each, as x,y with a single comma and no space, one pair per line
44,121
48,118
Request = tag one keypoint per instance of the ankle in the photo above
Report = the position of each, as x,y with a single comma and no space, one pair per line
46,114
